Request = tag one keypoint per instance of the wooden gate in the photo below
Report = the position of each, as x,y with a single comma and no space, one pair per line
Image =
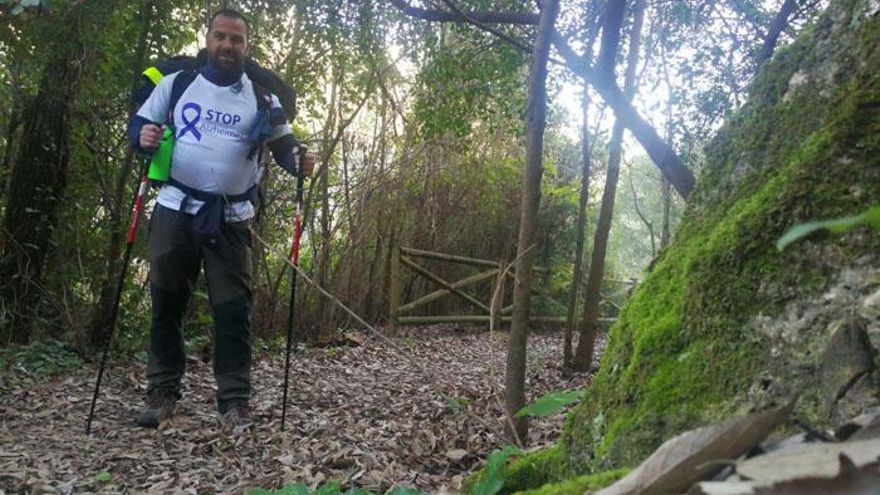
496,271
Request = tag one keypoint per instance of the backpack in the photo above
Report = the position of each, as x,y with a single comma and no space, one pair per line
264,81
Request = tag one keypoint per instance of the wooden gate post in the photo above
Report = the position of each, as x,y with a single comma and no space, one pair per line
394,289
497,303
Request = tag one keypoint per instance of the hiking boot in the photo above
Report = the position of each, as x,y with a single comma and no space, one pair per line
160,406
238,417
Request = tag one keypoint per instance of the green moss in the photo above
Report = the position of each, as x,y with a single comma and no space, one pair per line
685,351
579,484
529,471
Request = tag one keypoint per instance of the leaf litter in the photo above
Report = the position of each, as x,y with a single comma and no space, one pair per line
360,415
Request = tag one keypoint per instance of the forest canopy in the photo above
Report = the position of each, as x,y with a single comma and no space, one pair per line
410,119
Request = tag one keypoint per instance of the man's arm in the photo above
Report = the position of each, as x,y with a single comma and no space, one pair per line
284,147
284,150
144,132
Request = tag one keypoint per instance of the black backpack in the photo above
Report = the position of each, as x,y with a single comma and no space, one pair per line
265,81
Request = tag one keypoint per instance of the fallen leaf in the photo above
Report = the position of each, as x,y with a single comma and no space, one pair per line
456,455
691,456
366,420
814,459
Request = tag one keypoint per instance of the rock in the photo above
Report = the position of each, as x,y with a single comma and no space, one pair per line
722,488
867,427
789,442
810,460
861,397
456,455
870,308
849,357
695,455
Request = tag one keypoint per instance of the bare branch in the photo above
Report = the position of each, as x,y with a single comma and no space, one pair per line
469,18
484,17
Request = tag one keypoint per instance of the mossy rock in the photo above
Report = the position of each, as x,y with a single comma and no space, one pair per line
532,469
710,332
579,484
724,323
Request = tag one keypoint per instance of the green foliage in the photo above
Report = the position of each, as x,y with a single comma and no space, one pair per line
289,489
103,477
638,219
48,357
579,484
550,403
528,471
870,217
330,488
492,476
465,85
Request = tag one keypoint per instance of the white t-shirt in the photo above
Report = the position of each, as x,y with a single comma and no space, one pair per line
211,148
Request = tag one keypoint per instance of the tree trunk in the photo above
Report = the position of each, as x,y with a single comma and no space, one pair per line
100,323
586,345
648,223
536,116
571,324
15,116
36,188
667,200
777,25
583,357
665,186
324,184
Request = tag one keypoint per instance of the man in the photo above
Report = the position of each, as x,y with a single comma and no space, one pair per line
202,215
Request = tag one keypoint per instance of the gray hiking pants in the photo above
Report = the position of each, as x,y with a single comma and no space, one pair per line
176,255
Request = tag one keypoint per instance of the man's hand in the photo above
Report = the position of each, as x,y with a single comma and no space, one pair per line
151,135
308,165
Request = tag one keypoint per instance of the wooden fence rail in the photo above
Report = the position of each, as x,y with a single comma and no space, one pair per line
401,313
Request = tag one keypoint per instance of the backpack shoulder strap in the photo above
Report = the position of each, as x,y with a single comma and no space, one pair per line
275,84
264,97
261,127
181,82
153,74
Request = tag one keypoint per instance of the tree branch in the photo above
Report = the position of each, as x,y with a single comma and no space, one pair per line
660,152
777,25
484,17
470,19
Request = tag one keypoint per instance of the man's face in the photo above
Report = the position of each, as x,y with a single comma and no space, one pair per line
227,42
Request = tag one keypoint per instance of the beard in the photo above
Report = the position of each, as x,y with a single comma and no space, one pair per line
227,60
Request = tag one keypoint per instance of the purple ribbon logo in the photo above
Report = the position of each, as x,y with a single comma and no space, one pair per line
190,124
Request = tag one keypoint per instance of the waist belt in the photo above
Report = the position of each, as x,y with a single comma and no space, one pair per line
211,215
209,197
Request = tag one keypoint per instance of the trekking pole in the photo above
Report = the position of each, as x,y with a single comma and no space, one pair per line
137,207
294,259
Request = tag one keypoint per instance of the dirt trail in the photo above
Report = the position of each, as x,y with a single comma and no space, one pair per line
361,415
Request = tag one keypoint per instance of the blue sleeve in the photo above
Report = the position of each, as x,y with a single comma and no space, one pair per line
134,131
154,110
282,150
